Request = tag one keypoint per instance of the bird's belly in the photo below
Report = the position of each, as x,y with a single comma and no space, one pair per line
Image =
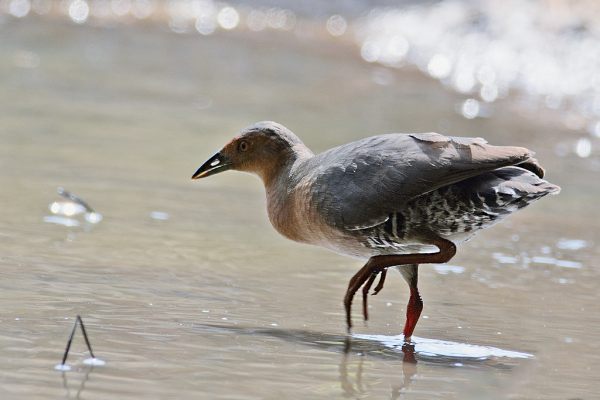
366,245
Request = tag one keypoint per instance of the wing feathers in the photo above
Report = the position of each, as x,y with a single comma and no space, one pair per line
363,182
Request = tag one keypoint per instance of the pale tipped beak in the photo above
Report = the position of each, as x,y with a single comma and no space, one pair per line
214,165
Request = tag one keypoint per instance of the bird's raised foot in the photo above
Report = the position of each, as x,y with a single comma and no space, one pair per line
381,281
366,275
367,287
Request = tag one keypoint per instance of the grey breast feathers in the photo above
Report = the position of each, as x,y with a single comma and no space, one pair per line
360,184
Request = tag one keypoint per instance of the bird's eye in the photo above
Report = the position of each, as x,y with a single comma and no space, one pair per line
243,146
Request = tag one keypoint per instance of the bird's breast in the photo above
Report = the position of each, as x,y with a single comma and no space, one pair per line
285,213
294,216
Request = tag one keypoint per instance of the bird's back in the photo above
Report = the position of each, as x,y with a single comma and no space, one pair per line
358,184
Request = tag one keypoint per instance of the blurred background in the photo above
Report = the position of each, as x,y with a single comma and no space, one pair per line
186,289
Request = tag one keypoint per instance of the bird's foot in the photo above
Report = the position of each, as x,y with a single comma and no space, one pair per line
367,287
381,281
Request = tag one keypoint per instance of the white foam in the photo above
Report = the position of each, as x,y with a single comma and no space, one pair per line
96,362
93,217
62,367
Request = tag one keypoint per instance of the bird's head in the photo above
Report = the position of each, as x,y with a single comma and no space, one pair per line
262,148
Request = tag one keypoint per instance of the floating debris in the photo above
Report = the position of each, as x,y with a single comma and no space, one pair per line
63,366
67,208
66,211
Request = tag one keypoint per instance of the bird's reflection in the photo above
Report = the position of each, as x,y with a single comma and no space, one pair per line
357,347
353,387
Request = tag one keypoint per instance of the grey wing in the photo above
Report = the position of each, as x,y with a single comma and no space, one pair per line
358,185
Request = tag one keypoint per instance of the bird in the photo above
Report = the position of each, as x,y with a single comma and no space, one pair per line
393,200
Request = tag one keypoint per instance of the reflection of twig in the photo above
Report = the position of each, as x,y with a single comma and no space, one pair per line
65,384
76,199
88,371
83,381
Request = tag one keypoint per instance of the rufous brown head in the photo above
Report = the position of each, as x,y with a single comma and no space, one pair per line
261,149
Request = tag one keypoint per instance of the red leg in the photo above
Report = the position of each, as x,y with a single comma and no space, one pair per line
413,312
376,264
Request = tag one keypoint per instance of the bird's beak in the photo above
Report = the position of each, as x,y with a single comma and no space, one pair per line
215,164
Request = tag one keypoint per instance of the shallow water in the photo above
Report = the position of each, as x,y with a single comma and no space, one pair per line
185,288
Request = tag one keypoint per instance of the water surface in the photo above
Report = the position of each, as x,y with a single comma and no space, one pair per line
186,290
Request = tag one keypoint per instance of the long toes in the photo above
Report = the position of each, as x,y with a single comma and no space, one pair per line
365,292
348,308
380,283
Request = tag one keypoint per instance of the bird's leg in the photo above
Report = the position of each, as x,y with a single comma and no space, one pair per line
415,303
413,312
376,264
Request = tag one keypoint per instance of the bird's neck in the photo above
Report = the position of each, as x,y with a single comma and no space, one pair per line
278,173
281,189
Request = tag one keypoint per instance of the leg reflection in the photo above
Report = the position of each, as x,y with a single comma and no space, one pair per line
409,369
350,389
355,387
345,382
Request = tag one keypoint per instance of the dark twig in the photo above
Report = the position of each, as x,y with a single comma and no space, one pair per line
79,321
64,359
85,336
76,199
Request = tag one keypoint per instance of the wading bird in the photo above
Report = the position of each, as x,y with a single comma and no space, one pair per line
395,200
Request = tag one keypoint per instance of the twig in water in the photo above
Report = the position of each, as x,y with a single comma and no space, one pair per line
93,361
64,359
85,336
76,199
